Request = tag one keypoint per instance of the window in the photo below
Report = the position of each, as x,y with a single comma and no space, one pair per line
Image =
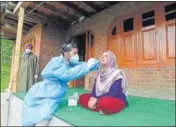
113,31
128,25
170,12
148,18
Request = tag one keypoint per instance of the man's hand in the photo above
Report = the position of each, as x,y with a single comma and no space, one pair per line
92,103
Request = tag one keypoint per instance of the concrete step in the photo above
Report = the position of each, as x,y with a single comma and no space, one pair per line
15,112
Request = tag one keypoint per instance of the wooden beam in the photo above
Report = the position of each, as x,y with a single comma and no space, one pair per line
93,6
48,18
34,17
8,37
5,29
17,49
76,8
44,20
58,12
30,21
55,11
20,4
17,7
39,16
14,22
10,29
14,26
48,7
27,20
7,19
3,16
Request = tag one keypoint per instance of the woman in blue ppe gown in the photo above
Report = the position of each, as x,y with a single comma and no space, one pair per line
43,98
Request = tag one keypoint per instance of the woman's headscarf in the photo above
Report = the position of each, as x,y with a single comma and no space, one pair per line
107,75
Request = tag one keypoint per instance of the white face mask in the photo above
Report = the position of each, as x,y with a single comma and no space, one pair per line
74,59
28,50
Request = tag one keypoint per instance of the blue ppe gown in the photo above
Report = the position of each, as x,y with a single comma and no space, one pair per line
43,98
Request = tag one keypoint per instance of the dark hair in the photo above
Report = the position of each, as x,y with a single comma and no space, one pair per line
68,47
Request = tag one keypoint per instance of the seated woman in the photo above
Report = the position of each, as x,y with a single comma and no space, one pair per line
109,90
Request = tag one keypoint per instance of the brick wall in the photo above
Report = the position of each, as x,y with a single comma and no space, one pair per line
156,82
152,82
51,41
48,42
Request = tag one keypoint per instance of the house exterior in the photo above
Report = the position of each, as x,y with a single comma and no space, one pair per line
141,34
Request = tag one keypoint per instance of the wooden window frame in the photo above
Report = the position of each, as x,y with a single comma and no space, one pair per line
163,40
160,38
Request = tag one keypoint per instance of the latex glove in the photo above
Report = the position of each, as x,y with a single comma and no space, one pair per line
91,62
36,77
92,103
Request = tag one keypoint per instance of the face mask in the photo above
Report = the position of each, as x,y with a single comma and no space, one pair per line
28,50
74,59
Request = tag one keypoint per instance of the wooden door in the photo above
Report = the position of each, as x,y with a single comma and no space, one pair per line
127,41
79,39
148,43
167,19
89,40
89,45
122,40
112,45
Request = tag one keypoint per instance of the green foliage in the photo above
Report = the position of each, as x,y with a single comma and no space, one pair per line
6,51
5,76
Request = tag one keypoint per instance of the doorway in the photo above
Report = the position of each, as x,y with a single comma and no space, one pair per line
85,43
80,41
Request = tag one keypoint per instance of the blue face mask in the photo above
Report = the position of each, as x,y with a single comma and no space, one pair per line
74,59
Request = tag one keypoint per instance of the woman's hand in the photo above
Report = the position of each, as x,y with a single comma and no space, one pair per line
92,103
